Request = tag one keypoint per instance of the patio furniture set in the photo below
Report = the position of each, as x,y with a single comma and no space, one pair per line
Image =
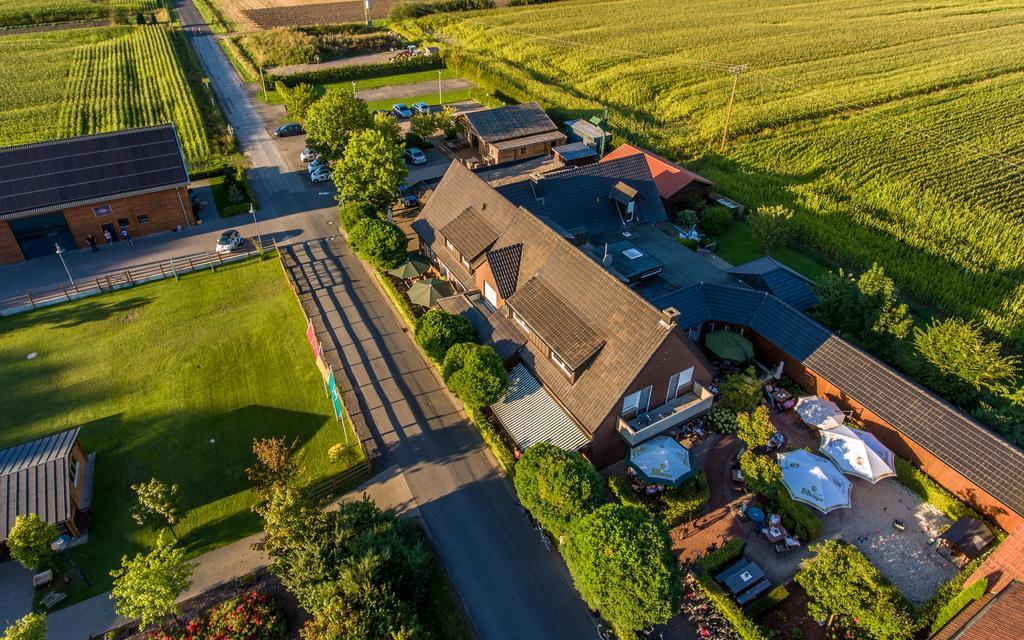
745,580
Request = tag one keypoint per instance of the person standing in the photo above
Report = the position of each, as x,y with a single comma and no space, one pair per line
91,241
125,236
109,238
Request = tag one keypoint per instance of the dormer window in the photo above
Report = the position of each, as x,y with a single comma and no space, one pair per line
625,198
561,364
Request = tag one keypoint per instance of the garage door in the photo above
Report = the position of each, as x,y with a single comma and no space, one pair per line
37,235
490,295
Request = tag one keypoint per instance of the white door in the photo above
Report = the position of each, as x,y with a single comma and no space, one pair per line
678,382
490,295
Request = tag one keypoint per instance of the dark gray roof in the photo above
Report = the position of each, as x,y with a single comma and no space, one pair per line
504,264
582,196
629,261
513,121
493,329
47,176
34,479
768,274
470,233
556,322
575,151
966,446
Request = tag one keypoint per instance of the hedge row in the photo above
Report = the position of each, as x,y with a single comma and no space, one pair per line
360,71
767,602
686,502
624,494
502,452
745,628
407,10
957,604
712,562
920,483
400,301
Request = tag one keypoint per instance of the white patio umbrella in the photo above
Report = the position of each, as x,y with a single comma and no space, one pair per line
858,452
814,480
662,460
819,412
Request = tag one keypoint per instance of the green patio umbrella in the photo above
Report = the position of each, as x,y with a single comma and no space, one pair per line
414,265
427,292
662,460
729,345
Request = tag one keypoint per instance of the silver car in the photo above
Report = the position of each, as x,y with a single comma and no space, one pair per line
229,241
308,155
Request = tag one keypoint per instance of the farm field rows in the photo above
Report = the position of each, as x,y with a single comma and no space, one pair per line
892,129
84,81
25,12
265,14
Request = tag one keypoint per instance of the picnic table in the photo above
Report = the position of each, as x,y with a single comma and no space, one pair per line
741,575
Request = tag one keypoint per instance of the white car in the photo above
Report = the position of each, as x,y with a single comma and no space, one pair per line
413,155
320,176
229,241
421,108
308,155
318,165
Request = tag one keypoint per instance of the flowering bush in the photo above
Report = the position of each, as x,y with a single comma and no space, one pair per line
250,617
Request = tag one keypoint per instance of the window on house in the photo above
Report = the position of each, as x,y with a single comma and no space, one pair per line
636,404
465,262
521,322
143,219
679,384
561,364
74,473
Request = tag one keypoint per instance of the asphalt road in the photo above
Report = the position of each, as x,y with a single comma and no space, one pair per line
511,585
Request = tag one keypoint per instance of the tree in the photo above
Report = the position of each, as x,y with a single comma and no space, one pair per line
761,472
715,220
30,627
30,539
146,586
621,563
557,486
157,504
422,125
842,584
960,362
372,616
475,373
447,121
437,331
299,99
865,309
352,212
772,226
372,169
741,391
275,464
332,120
389,127
756,428
380,243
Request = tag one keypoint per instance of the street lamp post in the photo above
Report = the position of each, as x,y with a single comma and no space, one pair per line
259,240
60,253
353,87
439,100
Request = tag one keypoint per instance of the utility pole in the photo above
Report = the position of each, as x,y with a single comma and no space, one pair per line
366,12
263,84
735,71
604,133
353,87
259,239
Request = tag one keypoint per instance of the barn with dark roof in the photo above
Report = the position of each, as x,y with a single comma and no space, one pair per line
62,191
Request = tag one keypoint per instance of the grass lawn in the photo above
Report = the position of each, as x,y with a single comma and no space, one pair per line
431,98
171,380
273,97
738,245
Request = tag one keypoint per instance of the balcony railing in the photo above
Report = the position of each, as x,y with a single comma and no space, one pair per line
671,414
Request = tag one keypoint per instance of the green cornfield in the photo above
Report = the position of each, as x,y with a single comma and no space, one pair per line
26,12
892,128
83,81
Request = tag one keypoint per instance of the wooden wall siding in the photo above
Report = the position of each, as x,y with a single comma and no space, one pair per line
529,151
903,446
9,249
164,208
676,354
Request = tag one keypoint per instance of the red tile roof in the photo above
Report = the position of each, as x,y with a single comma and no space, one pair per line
1005,564
668,176
998,617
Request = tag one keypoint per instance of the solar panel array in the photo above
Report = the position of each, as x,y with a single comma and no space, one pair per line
47,176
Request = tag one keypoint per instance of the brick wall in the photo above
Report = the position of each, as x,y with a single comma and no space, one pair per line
676,354
165,209
1005,564
9,249
903,446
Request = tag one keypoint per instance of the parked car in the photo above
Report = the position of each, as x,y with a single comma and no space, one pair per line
229,241
317,165
322,175
406,197
308,155
421,107
413,155
401,110
290,129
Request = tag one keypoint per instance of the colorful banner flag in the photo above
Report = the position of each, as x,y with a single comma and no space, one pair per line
332,390
325,371
314,344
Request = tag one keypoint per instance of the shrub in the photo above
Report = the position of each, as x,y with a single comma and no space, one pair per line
756,428
712,562
768,602
298,99
686,218
948,591
475,373
360,71
772,226
625,495
30,627
557,486
722,420
741,391
381,244
746,628
959,362
407,10
798,518
278,47
686,502
498,445
715,220
350,213
621,564
437,331
958,603
252,617
920,483
29,541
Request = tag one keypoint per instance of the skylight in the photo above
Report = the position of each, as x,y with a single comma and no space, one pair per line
632,254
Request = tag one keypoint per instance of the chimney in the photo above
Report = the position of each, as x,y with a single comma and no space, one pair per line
537,184
669,316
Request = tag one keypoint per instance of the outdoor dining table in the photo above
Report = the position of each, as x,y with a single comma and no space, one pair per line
783,399
775,533
740,576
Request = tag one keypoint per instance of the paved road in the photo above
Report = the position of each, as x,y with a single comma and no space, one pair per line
512,586
412,90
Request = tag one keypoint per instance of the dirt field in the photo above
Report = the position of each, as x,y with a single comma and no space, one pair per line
264,14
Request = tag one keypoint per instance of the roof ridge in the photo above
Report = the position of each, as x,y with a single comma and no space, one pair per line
102,134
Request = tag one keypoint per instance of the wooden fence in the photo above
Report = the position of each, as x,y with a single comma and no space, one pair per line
128,277
340,483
